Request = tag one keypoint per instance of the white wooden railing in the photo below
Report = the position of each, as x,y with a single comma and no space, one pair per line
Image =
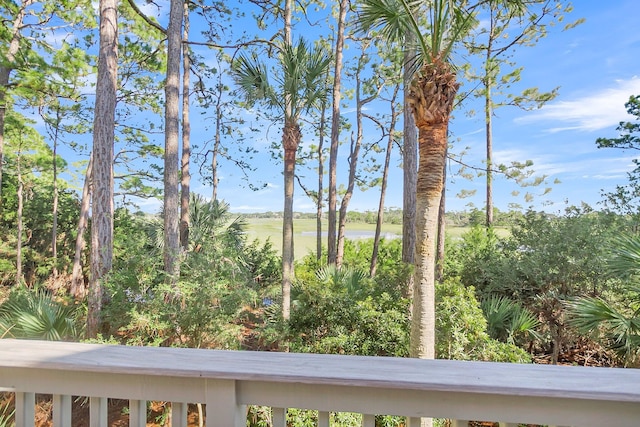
227,381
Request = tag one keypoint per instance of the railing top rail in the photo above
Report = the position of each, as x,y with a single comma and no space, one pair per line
621,385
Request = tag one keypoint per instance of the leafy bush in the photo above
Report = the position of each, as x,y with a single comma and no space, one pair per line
222,285
546,261
343,312
461,328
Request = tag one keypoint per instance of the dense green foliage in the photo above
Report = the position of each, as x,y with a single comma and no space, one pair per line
614,320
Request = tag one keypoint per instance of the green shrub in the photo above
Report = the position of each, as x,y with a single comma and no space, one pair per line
461,328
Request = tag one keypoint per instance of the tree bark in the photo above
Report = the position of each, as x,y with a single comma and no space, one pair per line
488,114
103,140
383,190
54,226
216,143
335,134
172,130
320,198
442,226
186,138
290,140
409,169
77,281
19,225
433,143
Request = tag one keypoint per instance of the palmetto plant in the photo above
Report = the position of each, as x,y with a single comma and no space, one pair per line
348,279
36,315
508,321
615,327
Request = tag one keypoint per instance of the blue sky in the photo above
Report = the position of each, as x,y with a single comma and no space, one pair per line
596,67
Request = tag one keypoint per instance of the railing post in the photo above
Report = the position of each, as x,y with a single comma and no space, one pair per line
461,423
137,413
323,419
179,413
368,420
413,422
25,409
98,411
279,417
223,409
61,410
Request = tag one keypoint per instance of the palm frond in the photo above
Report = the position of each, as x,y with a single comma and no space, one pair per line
252,77
37,315
625,256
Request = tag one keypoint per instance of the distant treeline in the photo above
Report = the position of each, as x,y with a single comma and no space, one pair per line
394,216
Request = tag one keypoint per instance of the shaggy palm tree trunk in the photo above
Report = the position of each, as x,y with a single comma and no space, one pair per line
432,96
432,141
290,139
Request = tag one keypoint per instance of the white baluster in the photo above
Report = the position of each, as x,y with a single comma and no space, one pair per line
279,417
179,413
98,411
137,413
323,419
61,410
25,409
368,420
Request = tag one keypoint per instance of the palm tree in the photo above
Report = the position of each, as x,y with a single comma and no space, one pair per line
431,95
299,85
615,327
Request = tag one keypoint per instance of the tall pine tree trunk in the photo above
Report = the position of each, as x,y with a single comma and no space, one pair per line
103,139
186,139
54,226
216,144
19,225
335,134
320,198
383,189
77,278
171,146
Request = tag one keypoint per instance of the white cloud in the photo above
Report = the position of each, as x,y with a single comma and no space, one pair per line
600,110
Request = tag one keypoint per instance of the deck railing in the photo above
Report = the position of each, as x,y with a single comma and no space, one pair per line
226,381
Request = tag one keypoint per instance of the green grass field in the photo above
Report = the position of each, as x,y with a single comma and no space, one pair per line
305,232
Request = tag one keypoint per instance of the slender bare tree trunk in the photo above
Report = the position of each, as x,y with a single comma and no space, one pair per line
102,174
409,169
216,144
344,205
335,134
488,113
54,227
172,131
19,225
320,198
77,280
383,189
186,138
